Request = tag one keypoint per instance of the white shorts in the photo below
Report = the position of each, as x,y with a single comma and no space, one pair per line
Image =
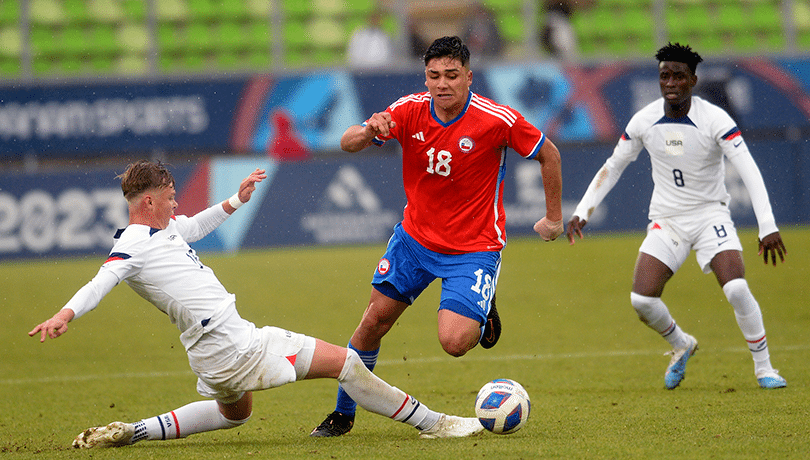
708,232
277,357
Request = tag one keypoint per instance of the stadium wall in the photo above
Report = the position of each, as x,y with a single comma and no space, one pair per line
225,128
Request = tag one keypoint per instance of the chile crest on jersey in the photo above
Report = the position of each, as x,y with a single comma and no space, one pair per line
466,144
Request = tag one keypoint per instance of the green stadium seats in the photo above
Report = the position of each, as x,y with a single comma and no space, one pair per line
76,13
105,11
134,38
330,8
233,10
10,11
171,10
732,18
11,39
512,27
134,10
103,40
10,68
766,17
132,64
326,32
259,9
360,7
46,12
198,37
203,10
296,9
72,37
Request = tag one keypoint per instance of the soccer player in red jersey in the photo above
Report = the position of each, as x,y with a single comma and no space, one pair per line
454,145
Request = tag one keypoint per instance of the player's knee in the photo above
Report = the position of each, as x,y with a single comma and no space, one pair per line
736,290
457,345
644,306
235,423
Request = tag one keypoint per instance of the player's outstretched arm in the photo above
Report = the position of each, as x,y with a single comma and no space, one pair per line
358,137
772,244
575,226
551,226
246,189
55,326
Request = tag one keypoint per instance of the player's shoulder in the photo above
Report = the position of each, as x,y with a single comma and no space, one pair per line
411,101
130,241
493,110
702,107
653,110
646,117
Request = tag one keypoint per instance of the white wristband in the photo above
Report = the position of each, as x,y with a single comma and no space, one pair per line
234,201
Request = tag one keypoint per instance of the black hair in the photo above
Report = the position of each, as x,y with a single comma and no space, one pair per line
679,53
451,47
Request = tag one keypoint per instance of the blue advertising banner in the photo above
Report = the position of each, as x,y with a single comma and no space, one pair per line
295,117
346,200
81,120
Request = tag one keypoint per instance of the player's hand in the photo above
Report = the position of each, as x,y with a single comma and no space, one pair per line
380,124
248,185
772,244
549,230
53,327
575,226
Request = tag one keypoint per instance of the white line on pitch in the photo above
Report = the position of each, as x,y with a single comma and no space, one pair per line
384,362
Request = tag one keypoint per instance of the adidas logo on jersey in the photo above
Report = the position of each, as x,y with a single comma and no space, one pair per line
419,136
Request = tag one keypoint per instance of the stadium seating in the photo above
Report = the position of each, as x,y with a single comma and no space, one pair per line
123,37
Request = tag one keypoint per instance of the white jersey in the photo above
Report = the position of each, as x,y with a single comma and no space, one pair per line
162,268
687,157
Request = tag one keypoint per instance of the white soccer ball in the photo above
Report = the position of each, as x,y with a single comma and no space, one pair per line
502,406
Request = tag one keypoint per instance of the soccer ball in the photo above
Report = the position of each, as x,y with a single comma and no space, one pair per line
502,406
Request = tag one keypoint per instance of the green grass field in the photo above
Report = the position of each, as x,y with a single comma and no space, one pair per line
594,372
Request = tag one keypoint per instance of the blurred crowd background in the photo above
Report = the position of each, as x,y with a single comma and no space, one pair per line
42,39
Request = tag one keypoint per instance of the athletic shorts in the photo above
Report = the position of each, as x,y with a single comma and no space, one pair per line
277,357
468,280
708,232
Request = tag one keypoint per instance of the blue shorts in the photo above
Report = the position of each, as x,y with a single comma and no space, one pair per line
468,280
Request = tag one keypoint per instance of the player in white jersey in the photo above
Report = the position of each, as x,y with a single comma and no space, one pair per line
687,139
230,356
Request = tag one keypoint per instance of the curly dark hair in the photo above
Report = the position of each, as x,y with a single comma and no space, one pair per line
451,47
679,53
144,175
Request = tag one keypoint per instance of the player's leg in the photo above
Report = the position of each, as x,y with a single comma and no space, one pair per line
729,268
468,287
398,280
660,256
458,334
197,417
380,315
377,396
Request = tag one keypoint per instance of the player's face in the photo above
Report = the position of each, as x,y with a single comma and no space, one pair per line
163,206
676,81
449,84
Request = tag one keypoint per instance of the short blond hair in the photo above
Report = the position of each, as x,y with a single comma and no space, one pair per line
144,175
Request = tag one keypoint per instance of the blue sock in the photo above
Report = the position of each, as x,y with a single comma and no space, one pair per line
345,404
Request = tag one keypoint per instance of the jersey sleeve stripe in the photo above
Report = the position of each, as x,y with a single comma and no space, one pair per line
417,98
498,110
117,256
733,132
537,147
494,113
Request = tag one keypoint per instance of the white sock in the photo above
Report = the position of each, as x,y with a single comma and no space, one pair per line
377,396
654,313
749,318
196,417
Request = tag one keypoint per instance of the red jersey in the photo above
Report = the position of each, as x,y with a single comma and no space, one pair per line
453,172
